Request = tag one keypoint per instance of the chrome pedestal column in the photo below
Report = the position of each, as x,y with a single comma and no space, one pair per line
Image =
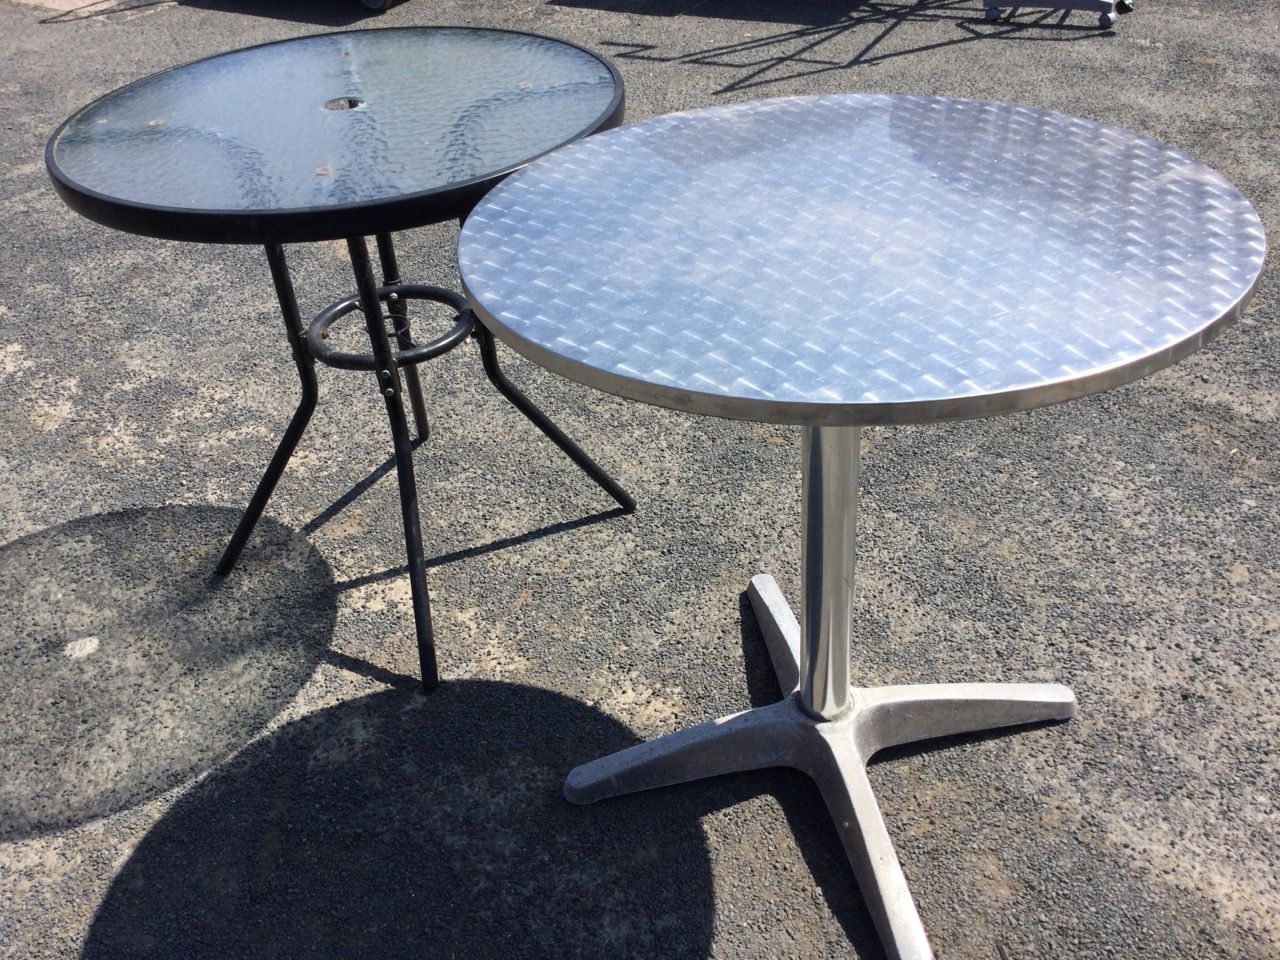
824,726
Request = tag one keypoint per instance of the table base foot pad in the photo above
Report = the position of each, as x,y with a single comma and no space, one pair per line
834,753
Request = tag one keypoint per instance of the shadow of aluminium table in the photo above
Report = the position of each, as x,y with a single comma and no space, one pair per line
342,136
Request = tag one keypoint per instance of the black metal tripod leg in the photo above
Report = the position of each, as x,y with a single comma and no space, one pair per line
400,316
489,357
297,424
388,379
414,386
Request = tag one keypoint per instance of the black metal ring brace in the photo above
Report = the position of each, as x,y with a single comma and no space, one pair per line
387,364
318,332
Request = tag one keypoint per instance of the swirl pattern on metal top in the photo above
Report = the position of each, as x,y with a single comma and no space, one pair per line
858,259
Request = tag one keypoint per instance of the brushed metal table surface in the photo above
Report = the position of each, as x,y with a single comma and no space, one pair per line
861,259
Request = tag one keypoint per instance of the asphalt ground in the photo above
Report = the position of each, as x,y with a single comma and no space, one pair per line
246,770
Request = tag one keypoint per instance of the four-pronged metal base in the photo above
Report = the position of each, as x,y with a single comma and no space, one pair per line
833,752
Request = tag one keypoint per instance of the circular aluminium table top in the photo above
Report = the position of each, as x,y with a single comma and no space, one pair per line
861,259
328,136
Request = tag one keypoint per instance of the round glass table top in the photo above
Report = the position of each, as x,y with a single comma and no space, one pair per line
861,259
328,136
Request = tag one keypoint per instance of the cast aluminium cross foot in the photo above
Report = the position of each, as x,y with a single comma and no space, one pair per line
825,726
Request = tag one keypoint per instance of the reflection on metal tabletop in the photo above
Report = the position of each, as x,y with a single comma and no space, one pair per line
861,259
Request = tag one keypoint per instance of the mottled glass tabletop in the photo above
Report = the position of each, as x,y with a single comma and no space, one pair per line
336,135
861,259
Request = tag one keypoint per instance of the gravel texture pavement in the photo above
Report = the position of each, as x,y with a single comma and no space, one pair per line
245,770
